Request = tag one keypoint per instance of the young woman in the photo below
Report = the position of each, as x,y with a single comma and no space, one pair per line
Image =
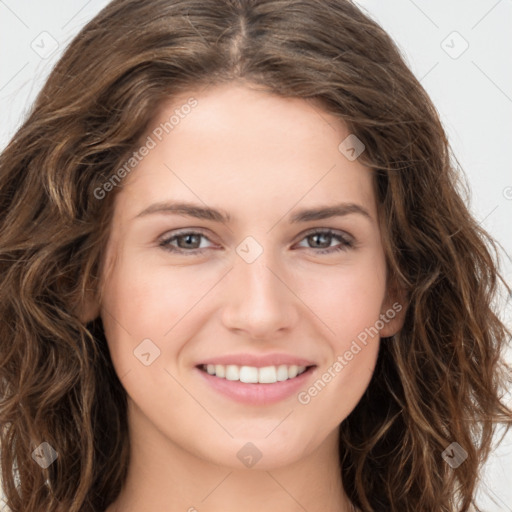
236,273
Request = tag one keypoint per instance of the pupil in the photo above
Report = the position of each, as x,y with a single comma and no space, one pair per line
322,235
188,239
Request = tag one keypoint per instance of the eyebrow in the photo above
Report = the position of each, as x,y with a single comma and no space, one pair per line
218,215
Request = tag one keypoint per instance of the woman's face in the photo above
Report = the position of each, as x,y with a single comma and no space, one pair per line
254,296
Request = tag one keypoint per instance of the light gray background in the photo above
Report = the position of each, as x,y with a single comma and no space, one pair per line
471,88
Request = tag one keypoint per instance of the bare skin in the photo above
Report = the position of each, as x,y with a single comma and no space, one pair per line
262,159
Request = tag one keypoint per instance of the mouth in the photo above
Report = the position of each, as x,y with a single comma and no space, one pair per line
251,385
253,374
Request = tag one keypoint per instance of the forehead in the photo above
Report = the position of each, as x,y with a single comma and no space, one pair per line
231,143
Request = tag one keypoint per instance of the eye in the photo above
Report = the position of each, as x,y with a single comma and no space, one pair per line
190,242
323,238
187,241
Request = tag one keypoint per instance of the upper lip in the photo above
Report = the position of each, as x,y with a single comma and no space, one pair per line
258,361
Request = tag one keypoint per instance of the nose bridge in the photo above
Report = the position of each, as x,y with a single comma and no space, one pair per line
258,300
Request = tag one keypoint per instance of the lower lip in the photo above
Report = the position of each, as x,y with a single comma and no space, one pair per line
257,394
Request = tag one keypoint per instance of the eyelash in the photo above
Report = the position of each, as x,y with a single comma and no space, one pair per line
346,242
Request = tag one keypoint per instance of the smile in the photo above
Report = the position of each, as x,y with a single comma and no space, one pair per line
254,375
256,385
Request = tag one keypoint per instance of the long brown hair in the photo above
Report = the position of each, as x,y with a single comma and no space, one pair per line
437,381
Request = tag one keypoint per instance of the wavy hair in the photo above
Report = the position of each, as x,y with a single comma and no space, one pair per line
440,379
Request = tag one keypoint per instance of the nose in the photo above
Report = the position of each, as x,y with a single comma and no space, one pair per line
259,299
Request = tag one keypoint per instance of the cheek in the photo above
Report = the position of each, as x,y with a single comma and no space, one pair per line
344,376
349,304
159,303
149,297
347,299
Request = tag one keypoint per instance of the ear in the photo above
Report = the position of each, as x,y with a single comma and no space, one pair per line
393,311
89,309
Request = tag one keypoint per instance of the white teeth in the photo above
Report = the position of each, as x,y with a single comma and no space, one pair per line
292,372
232,372
253,375
249,374
267,375
282,372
